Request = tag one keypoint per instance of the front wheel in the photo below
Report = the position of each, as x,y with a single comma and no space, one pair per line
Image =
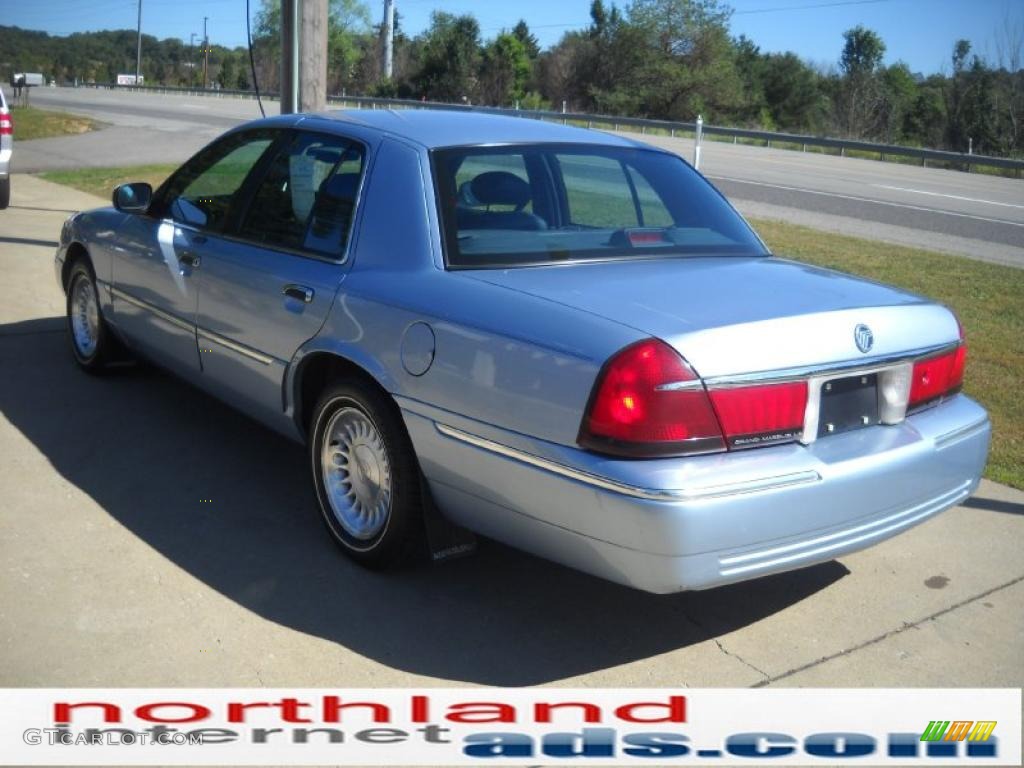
91,341
366,475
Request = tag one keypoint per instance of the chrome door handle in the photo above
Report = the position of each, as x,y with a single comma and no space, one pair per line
300,292
189,259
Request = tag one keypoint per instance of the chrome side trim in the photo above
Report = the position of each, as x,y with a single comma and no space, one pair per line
961,433
216,338
234,346
140,304
846,367
681,386
604,483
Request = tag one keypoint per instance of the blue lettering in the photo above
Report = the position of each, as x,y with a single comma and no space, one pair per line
498,745
590,742
655,745
839,745
760,745
903,744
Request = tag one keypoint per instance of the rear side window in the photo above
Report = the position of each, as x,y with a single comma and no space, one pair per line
529,204
307,196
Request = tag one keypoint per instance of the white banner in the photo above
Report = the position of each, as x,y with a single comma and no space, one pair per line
521,726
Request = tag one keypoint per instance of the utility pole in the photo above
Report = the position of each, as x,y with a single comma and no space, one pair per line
191,60
303,55
138,48
313,63
289,56
206,52
389,38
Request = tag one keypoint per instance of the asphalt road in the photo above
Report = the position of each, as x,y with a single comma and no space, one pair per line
151,536
974,215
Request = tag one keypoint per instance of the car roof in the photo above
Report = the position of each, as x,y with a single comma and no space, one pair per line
434,128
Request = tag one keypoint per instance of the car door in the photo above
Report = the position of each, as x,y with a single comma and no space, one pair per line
158,257
268,287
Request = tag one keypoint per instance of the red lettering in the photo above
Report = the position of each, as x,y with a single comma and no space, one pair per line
481,712
290,710
420,709
145,712
333,706
676,711
62,711
591,712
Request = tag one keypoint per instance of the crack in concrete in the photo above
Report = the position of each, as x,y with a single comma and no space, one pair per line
723,649
891,633
743,661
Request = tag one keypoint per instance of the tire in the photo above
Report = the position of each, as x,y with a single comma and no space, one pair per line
5,192
92,344
366,476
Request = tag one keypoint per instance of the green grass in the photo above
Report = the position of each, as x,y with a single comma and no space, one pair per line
32,123
101,181
988,298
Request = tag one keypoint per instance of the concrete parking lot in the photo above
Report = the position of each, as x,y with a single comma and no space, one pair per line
150,536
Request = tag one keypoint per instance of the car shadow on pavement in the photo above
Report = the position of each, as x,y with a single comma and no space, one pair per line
29,241
150,450
995,505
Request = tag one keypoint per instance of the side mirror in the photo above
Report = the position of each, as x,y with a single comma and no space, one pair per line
134,197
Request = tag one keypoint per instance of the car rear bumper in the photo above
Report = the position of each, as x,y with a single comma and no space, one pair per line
678,524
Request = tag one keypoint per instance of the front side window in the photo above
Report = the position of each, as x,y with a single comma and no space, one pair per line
203,189
548,203
306,199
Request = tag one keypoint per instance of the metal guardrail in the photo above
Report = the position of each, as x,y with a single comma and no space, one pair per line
956,159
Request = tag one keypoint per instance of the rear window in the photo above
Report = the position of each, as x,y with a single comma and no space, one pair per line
547,203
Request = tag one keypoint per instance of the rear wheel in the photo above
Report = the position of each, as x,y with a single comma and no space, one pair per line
366,476
91,342
5,192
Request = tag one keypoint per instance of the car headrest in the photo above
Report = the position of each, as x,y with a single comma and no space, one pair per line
500,188
341,186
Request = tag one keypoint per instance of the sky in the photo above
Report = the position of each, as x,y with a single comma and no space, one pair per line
919,32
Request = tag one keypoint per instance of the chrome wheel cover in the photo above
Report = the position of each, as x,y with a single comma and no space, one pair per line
85,317
356,473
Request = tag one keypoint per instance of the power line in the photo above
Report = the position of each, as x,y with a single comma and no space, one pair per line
836,4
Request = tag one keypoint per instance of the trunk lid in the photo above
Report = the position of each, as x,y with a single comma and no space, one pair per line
731,316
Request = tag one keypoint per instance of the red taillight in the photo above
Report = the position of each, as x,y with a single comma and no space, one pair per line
649,402
762,414
938,376
6,125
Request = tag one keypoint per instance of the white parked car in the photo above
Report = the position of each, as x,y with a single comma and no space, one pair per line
6,144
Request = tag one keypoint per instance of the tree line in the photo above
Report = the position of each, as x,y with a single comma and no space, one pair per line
667,59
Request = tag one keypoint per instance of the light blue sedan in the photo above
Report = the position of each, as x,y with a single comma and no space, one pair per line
558,338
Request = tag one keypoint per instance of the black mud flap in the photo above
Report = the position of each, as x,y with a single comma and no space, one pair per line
445,539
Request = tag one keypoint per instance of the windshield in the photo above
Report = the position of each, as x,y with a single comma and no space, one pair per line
547,203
